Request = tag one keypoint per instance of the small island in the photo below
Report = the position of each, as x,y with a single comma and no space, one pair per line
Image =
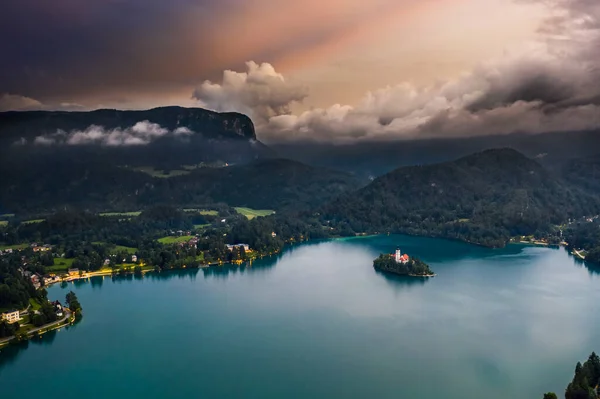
402,264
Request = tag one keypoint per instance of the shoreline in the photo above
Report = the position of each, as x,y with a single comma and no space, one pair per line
69,319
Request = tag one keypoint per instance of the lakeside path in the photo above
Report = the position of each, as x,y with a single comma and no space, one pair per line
576,252
43,329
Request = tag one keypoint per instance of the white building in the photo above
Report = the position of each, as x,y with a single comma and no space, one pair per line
245,246
134,258
11,317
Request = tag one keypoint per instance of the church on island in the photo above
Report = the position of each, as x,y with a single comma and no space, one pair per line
399,258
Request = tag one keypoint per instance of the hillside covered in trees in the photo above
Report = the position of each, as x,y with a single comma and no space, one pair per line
484,198
263,184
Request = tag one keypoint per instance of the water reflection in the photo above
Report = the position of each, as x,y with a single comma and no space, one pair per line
191,274
97,282
10,353
258,266
592,268
397,281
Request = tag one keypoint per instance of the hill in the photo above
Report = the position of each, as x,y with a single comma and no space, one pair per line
379,157
141,138
264,184
583,172
484,198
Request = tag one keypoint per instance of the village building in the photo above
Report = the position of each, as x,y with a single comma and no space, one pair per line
245,246
11,317
73,272
35,280
400,258
273,234
134,258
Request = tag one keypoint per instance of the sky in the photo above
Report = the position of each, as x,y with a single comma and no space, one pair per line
339,71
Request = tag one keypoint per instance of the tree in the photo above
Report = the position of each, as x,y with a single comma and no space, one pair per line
73,304
550,395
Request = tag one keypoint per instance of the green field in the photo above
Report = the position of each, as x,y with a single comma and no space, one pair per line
174,240
201,226
14,247
60,265
35,305
206,212
161,173
7,215
129,250
254,213
33,221
112,214
117,248
3,222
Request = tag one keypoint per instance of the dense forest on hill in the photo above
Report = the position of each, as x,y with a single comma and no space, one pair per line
585,234
484,198
264,184
584,173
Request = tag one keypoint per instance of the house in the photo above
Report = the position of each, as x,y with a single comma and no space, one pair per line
273,234
106,262
73,272
11,317
58,308
51,279
245,246
35,280
134,258
8,251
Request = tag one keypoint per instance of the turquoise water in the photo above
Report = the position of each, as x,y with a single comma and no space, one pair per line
319,322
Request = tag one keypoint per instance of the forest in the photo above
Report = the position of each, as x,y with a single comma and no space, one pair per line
86,241
585,382
485,198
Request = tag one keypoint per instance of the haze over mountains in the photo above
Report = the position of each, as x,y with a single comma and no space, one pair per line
121,160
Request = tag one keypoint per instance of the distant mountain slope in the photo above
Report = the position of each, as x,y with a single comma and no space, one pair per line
265,184
166,136
583,173
379,157
29,124
485,198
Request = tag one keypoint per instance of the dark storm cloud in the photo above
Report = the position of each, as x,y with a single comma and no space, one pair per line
72,50
69,47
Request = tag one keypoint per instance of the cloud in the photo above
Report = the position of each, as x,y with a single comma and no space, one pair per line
14,102
550,86
260,92
142,133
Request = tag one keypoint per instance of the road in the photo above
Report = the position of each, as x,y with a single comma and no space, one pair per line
35,330
578,254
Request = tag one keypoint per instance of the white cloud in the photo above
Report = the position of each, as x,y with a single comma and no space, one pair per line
260,92
547,86
141,133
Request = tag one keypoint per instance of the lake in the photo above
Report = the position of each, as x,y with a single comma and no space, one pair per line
318,321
